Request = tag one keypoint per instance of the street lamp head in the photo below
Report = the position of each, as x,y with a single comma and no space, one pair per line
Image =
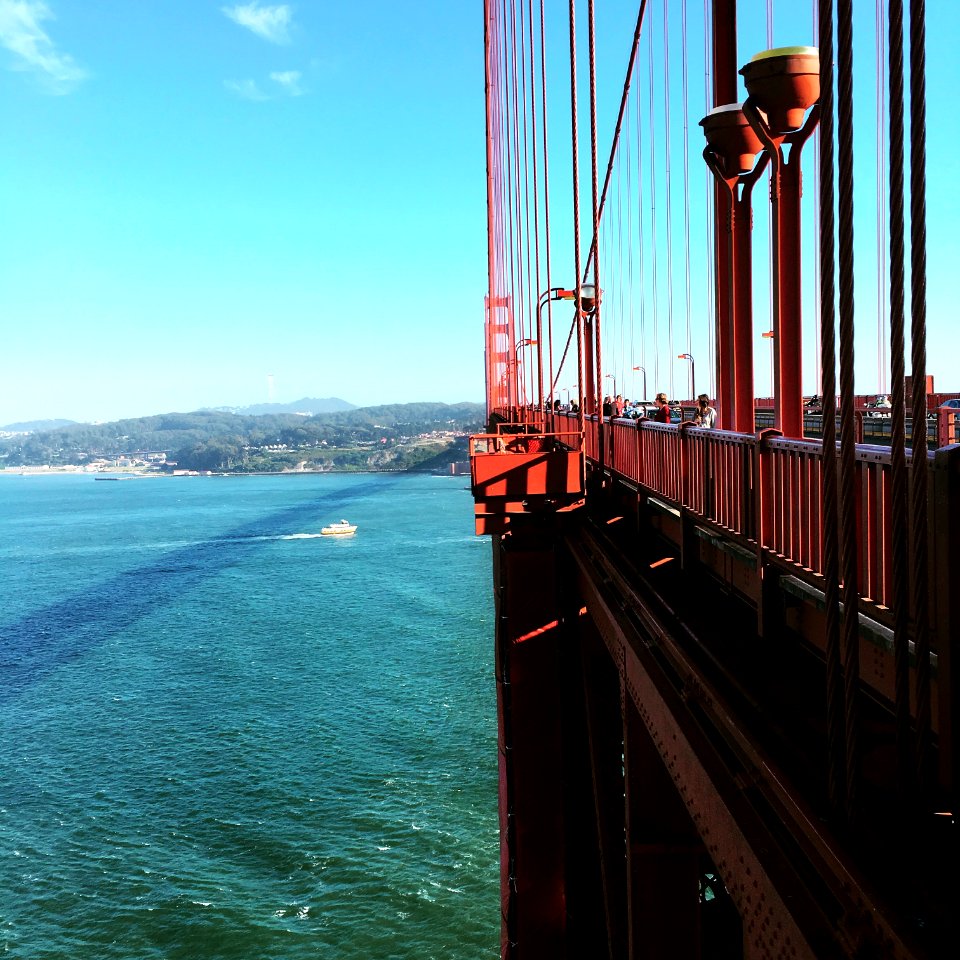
590,296
684,356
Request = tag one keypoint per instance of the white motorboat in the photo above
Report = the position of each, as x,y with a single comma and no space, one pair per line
339,529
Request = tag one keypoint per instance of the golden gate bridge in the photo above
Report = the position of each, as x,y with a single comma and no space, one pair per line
725,657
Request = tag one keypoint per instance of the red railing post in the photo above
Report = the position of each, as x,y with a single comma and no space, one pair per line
764,519
946,428
689,552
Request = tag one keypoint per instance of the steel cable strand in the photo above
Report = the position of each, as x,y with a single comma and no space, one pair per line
536,213
546,190
504,234
532,286
667,158
628,160
653,216
828,390
641,248
848,439
709,181
520,297
491,255
918,317
882,213
617,128
510,253
595,187
686,179
576,207
899,529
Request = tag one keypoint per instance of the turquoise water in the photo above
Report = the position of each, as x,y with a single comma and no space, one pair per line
226,736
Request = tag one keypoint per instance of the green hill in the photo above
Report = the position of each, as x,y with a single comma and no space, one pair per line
392,436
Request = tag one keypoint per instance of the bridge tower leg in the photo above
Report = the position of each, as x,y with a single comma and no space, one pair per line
532,854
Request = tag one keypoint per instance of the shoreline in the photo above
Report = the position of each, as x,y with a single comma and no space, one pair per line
135,475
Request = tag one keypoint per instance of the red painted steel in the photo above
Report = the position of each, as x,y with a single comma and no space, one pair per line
785,265
760,489
529,710
725,63
745,505
724,156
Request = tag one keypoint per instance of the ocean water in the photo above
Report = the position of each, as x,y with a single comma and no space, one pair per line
225,736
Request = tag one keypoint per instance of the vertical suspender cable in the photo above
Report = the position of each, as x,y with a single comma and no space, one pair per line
509,217
816,217
709,182
898,466
616,137
619,124
491,260
828,392
771,238
538,333
546,188
918,371
848,489
640,244
667,190
653,223
620,271
531,292
881,204
628,161
518,200
594,181
686,177
576,202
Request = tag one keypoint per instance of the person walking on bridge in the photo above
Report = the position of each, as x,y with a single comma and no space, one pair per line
663,409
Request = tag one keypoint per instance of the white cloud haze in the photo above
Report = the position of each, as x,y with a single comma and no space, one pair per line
271,23
289,80
21,33
247,89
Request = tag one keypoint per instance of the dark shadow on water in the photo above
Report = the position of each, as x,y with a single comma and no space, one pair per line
38,643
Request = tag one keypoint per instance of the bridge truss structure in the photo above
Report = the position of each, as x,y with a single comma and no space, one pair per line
727,659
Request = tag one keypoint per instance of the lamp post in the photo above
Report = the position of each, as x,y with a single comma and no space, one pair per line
588,311
783,84
644,372
693,375
610,376
526,342
553,293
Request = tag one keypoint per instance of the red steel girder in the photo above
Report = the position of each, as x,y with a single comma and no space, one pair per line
741,805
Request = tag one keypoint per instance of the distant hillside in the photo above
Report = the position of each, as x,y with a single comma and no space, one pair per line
310,405
379,437
33,426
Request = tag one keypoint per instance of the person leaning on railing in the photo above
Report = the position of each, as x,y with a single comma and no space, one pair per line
705,415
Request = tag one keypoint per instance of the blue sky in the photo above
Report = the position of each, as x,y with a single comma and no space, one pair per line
197,195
